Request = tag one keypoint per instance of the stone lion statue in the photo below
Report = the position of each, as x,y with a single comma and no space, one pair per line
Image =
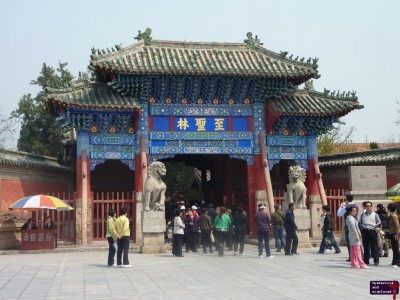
296,189
154,187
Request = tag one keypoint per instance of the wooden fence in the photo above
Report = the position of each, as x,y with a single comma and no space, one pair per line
103,202
334,198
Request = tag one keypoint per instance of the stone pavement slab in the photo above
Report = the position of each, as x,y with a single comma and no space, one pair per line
84,275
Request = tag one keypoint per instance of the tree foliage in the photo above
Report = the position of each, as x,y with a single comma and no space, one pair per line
40,133
337,140
178,178
7,130
373,145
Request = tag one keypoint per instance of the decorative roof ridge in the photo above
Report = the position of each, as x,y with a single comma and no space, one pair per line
75,86
361,153
250,44
98,54
327,94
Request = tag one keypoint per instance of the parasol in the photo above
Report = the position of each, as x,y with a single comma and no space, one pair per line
40,202
394,193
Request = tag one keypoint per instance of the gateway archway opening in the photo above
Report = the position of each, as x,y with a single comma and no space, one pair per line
216,179
112,176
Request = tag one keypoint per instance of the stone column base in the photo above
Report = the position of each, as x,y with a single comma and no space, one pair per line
153,228
153,243
316,211
304,240
303,222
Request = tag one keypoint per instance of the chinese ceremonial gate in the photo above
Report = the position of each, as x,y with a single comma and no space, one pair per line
232,109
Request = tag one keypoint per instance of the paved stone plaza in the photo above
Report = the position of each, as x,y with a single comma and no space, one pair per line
84,275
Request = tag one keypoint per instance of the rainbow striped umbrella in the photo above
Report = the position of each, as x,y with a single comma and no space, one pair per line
394,193
40,201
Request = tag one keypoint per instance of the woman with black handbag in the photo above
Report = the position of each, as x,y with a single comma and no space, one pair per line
328,238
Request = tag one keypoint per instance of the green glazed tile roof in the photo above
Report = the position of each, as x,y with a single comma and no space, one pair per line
90,95
370,157
312,103
30,161
194,58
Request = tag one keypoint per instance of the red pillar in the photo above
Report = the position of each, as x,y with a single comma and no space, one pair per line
311,179
138,174
255,181
79,177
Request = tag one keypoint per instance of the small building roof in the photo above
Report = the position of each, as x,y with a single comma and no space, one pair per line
248,59
88,95
313,103
370,157
20,159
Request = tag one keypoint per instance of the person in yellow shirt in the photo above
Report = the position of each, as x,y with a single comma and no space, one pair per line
111,236
123,236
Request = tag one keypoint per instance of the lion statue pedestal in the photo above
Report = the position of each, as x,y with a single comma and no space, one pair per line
153,228
297,193
153,214
303,222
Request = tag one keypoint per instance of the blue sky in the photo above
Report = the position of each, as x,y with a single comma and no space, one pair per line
357,42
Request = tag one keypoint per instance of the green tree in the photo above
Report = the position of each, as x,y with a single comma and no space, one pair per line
337,140
40,132
178,178
373,145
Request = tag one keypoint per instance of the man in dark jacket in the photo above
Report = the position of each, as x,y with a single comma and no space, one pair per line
262,223
327,231
241,226
205,227
278,221
291,227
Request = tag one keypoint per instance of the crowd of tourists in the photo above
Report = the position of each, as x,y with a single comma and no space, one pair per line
210,229
224,230
367,236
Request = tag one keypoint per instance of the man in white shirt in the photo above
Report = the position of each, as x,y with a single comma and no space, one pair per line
369,221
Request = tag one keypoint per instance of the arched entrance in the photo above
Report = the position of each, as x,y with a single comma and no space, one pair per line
223,180
112,187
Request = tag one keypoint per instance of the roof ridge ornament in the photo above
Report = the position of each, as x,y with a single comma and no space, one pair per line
309,85
145,36
252,41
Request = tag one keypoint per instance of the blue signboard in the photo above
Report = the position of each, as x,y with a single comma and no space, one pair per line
200,124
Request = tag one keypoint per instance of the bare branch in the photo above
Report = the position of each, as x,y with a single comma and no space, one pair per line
7,130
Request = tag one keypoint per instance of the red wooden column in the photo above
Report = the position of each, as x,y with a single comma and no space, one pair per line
311,179
141,164
79,177
255,181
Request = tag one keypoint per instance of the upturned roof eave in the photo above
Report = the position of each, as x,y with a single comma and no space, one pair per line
91,106
107,61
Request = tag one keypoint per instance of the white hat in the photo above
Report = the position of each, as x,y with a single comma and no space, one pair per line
182,207
194,207
261,206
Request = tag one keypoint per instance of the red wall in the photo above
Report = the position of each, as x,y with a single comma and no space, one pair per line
12,190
